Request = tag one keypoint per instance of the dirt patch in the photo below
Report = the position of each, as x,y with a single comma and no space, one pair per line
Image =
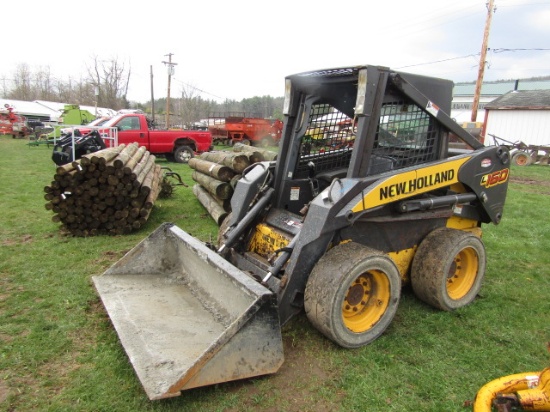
526,181
22,240
306,380
5,338
528,185
109,257
4,391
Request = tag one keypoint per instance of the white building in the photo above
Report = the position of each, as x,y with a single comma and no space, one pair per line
522,115
463,96
49,112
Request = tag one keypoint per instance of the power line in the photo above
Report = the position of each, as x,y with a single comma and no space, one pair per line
513,50
499,50
199,90
439,61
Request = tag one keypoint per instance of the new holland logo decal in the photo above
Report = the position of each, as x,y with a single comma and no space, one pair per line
404,185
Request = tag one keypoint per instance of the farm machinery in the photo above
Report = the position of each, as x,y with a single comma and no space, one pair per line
524,154
74,145
12,123
331,230
238,128
527,391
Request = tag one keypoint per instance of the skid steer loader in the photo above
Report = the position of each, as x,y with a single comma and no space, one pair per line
365,195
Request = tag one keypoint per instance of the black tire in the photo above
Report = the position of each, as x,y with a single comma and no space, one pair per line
352,294
183,154
448,268
522,158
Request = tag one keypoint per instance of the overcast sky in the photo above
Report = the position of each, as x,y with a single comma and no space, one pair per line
236,49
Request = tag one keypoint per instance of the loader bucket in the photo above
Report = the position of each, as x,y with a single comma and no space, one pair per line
188,318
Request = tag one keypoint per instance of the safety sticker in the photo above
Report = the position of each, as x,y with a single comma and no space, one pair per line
432,108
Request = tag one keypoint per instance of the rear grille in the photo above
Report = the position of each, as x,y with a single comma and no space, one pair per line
406,134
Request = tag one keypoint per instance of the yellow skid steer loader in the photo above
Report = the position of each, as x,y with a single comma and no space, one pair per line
365,195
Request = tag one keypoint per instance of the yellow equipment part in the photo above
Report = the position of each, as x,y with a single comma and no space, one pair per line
415,182
267,240
531,389
403,259
367,300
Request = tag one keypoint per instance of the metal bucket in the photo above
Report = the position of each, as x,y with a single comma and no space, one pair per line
188,318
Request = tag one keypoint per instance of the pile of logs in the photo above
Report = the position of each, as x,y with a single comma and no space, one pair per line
217,173
111,191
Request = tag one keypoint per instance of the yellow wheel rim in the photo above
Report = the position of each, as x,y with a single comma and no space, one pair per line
366,301
462,273
521,159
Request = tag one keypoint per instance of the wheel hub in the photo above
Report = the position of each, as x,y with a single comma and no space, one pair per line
356,293
462,273
366,301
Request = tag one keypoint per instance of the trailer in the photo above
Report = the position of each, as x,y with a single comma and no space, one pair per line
234,128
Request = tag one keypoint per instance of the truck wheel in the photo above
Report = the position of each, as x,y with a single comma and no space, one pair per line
183,154
448,268
352,294
522,158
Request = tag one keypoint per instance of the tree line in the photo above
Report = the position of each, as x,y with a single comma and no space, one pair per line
106,83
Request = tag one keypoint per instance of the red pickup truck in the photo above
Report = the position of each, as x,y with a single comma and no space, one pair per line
175,145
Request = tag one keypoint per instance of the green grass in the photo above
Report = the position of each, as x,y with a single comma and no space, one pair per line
59,352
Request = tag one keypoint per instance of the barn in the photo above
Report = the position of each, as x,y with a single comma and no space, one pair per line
520,115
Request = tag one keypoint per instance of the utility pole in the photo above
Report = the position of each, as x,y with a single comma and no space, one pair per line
96,92
490,10
170,73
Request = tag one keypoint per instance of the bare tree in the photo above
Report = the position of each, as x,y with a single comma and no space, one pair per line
44,85
192,107
112,79
22,81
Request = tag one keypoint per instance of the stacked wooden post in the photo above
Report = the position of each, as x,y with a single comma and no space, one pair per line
216,174
255,152
111,191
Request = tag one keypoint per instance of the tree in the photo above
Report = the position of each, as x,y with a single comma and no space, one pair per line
192,107
22,80
111,79
44,85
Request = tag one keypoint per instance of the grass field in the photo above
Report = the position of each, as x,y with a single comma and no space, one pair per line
59,351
